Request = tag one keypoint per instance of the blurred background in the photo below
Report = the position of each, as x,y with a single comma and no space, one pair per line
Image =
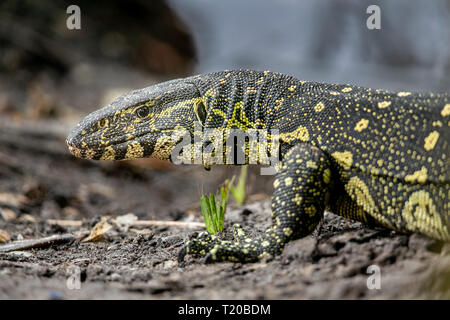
325,40
129,44
51,77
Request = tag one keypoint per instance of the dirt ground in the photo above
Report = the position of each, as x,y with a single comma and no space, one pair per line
40,180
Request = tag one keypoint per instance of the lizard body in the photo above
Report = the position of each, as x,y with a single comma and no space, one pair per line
370,155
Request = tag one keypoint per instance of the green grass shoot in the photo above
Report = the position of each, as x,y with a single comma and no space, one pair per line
238,191
214,212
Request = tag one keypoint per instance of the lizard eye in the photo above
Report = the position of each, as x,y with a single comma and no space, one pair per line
143,112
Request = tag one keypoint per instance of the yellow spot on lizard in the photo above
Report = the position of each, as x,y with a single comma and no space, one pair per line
361,125
319,107
89,154
420,176
311,164
240,121
134,150
288,181
301,133
287,231
327,176
297,199
218,113
384,104
109,154
276,183
345,159
164,145
421,215
311,210
430,140
359,192
446,111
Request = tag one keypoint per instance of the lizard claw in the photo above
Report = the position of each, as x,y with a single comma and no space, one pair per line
182,254
208,258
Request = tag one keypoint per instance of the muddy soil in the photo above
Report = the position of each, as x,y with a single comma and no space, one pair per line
40,180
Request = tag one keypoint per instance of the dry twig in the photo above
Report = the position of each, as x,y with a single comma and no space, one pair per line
34,243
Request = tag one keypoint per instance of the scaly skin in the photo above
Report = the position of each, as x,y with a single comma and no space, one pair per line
374,156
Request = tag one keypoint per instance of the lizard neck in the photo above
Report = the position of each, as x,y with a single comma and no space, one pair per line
243,99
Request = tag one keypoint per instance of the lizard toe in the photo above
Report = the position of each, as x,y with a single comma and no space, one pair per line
238,232
199,245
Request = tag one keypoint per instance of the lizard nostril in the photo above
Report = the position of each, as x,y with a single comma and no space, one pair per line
70,140
102,123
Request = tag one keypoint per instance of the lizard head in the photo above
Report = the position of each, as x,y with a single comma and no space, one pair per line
141,123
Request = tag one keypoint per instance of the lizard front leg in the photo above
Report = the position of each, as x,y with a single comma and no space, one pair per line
298,203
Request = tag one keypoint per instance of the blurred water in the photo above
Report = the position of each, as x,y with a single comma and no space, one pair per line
326,40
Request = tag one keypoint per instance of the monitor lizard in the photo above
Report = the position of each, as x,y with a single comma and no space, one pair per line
374,156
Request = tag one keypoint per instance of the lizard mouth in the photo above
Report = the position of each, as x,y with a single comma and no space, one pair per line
114,151
74,150
84,153
145,145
